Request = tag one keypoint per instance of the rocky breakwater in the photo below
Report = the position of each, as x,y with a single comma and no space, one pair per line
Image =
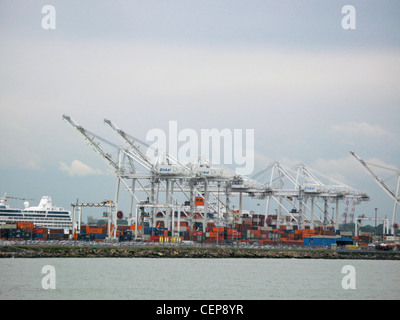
186,252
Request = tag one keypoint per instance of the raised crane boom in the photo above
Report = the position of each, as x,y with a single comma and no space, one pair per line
139,156
384,186
377,179
92,140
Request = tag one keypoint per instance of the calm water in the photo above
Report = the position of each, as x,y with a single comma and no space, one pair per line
215,279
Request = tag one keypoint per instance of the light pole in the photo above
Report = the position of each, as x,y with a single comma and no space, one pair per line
219,184
233,226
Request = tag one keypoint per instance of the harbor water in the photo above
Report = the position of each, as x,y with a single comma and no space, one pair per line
197,279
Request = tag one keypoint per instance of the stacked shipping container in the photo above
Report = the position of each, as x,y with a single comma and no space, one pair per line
256,229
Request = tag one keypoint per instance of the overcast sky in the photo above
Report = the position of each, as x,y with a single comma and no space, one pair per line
310,89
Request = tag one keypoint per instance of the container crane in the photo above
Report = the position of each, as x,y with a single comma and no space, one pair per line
166,168
207,180
115,162
394,195
304,183
361,218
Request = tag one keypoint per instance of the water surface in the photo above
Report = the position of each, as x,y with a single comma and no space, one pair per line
216,279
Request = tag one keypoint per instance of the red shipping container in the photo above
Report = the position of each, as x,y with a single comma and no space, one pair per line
122,228
53,231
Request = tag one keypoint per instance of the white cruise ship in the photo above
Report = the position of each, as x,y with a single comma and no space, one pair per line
45,215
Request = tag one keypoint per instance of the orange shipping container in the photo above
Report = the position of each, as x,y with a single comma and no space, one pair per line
199,201
21,225
216,229
94,230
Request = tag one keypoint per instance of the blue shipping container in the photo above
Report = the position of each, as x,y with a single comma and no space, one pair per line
99,236
326,241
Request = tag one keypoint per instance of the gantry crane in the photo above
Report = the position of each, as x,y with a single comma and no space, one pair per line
201,178
394,195
302,183
166,172
361,218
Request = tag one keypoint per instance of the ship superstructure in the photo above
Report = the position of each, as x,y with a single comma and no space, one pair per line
45,215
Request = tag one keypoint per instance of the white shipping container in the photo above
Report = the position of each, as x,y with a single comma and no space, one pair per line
274,236
265,228
8,226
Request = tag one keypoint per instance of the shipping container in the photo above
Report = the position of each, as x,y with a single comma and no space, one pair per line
8,226
327,241
59,231
199,201
21,225
54,236
40,230
94,230
99,236
28,235
124,238
84,237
